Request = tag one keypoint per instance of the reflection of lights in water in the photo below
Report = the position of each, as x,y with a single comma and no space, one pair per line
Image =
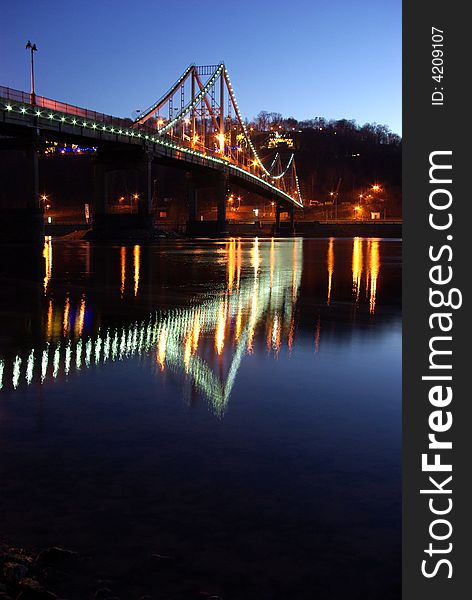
239,318
47,254
220,328
56,360
272,261
161,348
44,363
114,347
255,257
88,352
30,367
295,245
231,250
79,318
253,316
67,358
16,371
291,335
187,351
276,333
356,266
123,269
330,267
78,355
374,267
122,345
137,260
2,369
49,320
173,337
239,260
106,347
98,349
317,334
65,322
195,331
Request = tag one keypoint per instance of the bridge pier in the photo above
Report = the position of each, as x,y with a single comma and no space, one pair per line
21,211
220,188
291,213
192,200
113,173
286,227
221,200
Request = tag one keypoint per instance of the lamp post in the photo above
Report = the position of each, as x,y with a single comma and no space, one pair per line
32,47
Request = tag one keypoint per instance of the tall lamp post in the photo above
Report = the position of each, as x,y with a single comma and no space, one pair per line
32,47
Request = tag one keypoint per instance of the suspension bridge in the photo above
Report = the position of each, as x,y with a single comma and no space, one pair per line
196,125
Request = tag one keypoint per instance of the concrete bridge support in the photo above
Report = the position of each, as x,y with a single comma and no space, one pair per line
221,200
291,214
219,183
116,175
21,210
192,200
285,226
277,216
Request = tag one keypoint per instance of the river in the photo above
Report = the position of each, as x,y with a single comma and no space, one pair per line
228,409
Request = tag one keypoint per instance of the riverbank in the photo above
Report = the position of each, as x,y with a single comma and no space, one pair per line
57,573
315,229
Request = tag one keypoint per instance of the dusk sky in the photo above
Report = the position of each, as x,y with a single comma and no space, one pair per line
336,59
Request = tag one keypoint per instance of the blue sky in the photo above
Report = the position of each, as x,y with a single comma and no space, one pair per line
336,58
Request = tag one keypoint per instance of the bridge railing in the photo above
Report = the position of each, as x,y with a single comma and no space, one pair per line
54,105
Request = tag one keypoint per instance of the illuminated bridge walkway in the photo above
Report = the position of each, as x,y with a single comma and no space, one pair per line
196,125
179,339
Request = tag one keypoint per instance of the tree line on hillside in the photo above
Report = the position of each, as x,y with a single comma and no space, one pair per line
369,132
336,155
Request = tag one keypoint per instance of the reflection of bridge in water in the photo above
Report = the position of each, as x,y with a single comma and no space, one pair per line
250,299
205,341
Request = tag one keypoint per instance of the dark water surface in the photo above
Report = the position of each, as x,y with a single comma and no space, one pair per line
233,405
